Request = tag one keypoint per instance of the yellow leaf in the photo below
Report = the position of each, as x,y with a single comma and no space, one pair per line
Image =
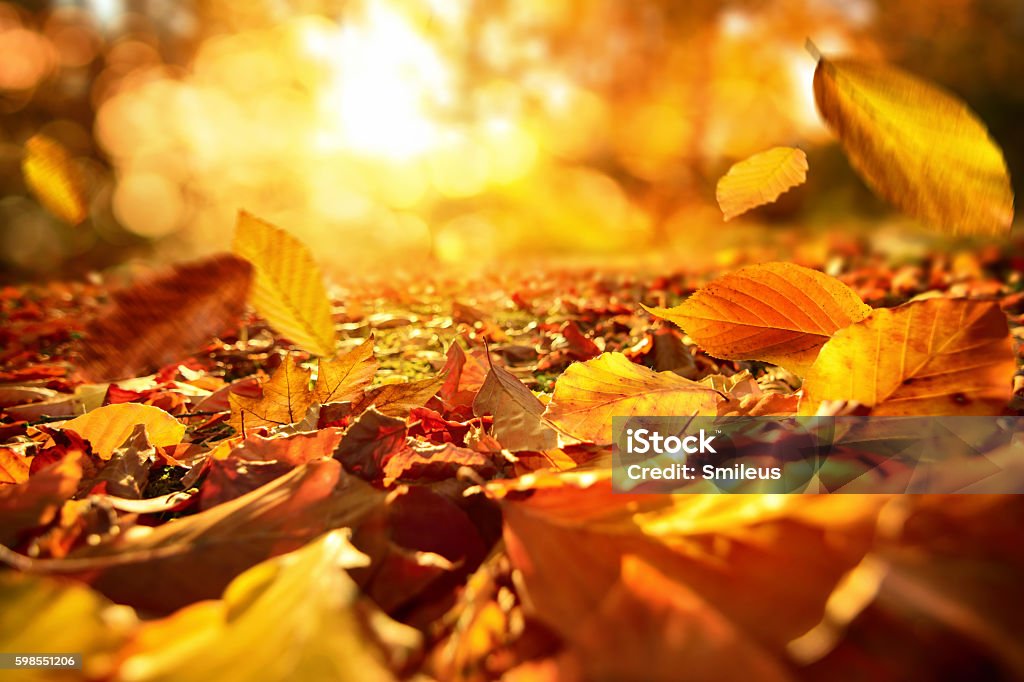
286,397
775,312
288,289
760,180
293,617
13,466
938,356
917,146
53,177
396,400
345,377
107,427
589,394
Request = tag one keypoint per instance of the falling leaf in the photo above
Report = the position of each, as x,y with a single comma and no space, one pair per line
916,145
293,617
776,312
53,177
164,318
345,377
288,290
286,397
109,426
938,356
590,393
760,179
396,400
517,412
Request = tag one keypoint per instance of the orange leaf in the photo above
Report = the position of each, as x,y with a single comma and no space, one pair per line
345,377
760,179
286,397
13,466
109,426
53,177
776,312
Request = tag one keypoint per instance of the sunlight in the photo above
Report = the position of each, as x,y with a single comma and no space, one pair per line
386,82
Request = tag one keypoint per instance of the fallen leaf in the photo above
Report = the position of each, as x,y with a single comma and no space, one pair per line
517,412
164,318
589,394
288,289
425,463
775,312
370,439
397,400
286,397
916,145
760,179
13,466
344,377
109,426
53,177
938,356
294,617
35,501
127,472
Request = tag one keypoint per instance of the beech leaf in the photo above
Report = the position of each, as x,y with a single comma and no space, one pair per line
760,179
590,393
109,426
937,356
916,145
288,290
53,177
775,312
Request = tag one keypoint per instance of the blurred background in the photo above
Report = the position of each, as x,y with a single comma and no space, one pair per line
389,134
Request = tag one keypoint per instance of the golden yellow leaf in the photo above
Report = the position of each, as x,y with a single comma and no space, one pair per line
938,356
13,466
293,617
345,377
589,394
916,145
53,177
107,427
395,400
760,179
775,312
286,397
288,289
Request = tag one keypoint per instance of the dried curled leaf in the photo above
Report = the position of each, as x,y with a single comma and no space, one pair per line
590,393
517,412
53,177
109,426
917,146
345,377
760,179
286,397
162,319
288,289
776,312
938,356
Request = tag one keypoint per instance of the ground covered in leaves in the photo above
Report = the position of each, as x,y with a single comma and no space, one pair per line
187,494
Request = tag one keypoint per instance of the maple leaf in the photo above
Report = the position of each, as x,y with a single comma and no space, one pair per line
344,377
286,397
163,318
517,412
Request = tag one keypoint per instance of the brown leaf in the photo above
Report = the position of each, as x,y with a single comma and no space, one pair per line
344,378
396,400
368,442
517,412
34,502
162,319
434,463
126,473
286,397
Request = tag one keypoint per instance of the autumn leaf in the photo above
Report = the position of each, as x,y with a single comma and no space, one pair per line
775,312
396,400
424,463
109,426
294,617
344,377
288,290
34,501
53,177
369,441
760,179
162,319
517,412
286,397
589,394
916,145
13,466
937,356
